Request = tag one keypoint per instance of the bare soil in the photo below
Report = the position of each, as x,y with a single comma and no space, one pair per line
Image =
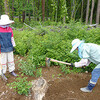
61,86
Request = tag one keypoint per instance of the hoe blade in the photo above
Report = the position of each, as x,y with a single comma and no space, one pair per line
47,62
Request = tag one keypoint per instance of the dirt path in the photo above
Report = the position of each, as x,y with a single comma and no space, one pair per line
61,87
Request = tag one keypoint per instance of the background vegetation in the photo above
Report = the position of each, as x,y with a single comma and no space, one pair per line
54,10
53,41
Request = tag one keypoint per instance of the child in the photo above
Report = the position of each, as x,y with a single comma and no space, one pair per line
7,45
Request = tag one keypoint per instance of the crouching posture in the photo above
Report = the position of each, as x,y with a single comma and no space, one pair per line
88,52
6,46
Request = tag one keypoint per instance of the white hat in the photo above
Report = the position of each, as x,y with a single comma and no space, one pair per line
5,20
75,44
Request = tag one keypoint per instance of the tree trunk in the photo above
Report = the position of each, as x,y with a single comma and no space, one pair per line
73,9
6,6
34,10
43,9
19,13
12,16
38,7
64,18
0,9
19,17
23,18
82,11
87,11
92,12
23,14
98,12
47,9
56,12
29,12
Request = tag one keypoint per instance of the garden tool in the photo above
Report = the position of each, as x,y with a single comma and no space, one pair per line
1,69
53,60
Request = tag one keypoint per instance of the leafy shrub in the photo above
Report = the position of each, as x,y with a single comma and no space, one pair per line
56,43
21,85
65,69
28,68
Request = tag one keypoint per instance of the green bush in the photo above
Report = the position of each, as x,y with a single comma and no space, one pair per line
55,42
21,85
28,68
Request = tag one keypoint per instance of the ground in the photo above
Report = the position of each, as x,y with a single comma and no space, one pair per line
61,86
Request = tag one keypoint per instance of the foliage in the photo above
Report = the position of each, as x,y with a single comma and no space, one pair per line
39,72
21,85
65,69
53,42
28,68
55,10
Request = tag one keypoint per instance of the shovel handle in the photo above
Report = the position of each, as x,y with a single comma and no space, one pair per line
53,60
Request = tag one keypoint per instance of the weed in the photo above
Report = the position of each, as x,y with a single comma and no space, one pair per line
21,85
59,75
30,69
53,75
39,72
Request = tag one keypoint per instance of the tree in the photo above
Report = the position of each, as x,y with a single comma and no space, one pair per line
47,8
82,11
87,11
43,9
98,12
72,9
23,13
11,9
6,6
75,6
1,7
91,16
56,10
29,11
63,11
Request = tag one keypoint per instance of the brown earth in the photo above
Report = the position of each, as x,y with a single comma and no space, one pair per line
61,87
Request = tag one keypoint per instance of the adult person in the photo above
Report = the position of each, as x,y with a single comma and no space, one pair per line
88,52
7,45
